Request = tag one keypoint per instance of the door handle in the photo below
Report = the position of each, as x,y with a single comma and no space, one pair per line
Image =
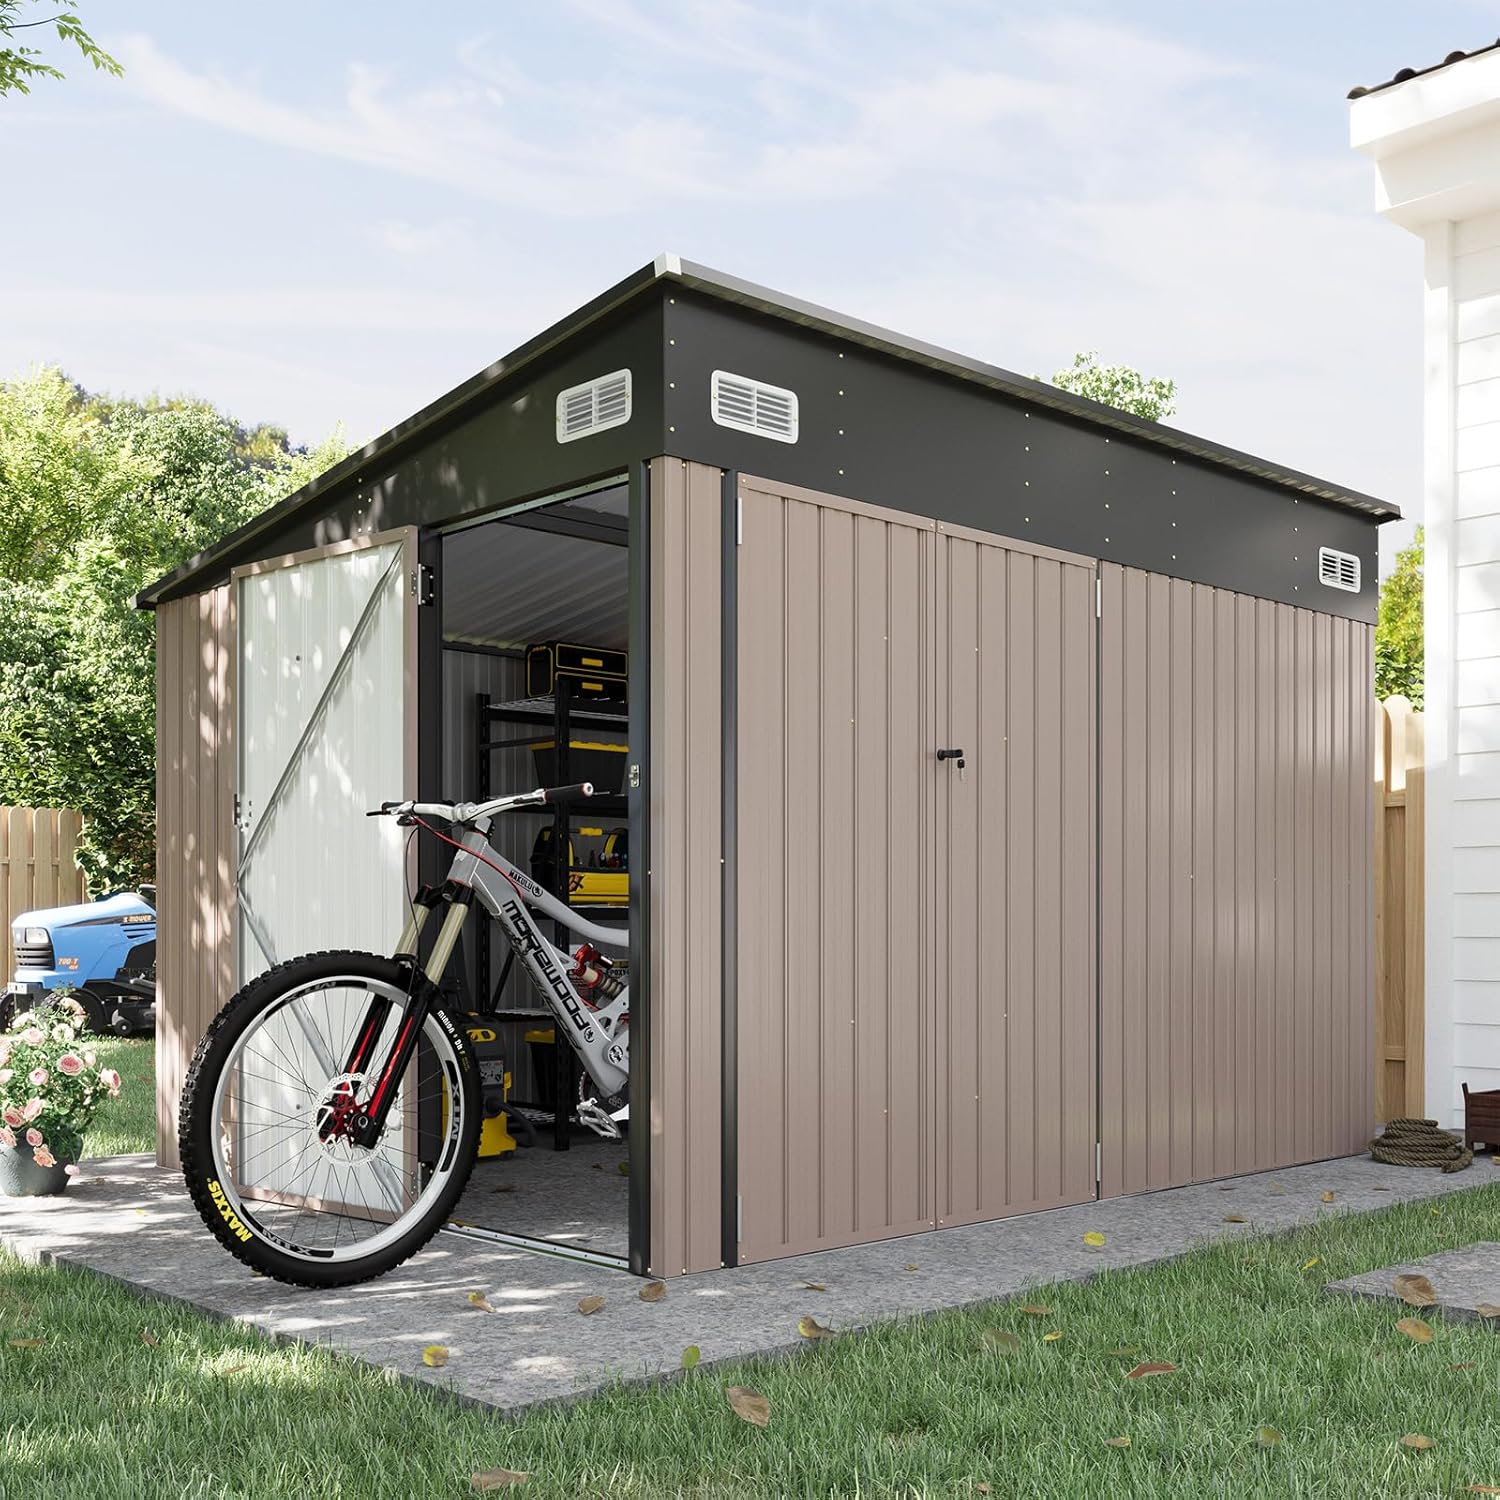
957,755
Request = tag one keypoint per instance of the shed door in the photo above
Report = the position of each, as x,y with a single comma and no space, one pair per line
1015,946
325,702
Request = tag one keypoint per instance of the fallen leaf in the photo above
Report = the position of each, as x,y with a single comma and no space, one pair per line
1124,1351
234,1369
1436,1213
1417,1440
1379,1188
749,1405
1328,1196
479,1300
147,1337
1235,1219
1156,1369
598,1166
1307,1265
1052,1337
1093,1237
1267,1437
815,1286
27,1343
1416,1329
1469,1365
1487,1310
653,1291
809,1327
588,1305
624,1169
1276,1190
435,1356
1226,1187
982,1488
498,1479
911,1265
1003,1338
690,1356
1117,1442
1414,1290
1483,1489
1035,1310
505,1187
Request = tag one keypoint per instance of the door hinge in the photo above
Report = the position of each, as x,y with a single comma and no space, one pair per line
635,776
421,584
242,813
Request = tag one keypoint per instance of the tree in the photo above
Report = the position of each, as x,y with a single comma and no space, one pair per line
1119,386
98,498
1398,627
19,65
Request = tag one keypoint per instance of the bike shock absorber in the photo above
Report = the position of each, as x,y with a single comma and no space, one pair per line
594,975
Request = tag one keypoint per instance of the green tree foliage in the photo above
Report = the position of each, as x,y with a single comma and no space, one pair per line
21,63
1119,386
98,498
1398,627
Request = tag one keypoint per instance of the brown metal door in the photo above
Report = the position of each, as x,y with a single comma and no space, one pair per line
835,880
1016,1005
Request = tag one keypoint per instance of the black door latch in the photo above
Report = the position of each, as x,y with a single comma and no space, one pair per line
957,755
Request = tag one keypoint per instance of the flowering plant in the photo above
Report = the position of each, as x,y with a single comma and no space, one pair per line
51,1083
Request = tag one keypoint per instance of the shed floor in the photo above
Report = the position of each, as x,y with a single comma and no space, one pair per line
577,1197
131,1220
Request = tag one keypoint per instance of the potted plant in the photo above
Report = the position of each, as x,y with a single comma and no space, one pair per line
51,1084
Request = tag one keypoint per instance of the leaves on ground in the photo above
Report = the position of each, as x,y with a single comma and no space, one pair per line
809,1327
1418,1440
479,1300
234,1369
27,1343
911,1265
435,1356
498,1479
1328,1196
504,1187
1140,1371
590,1305
1235,1219
1482,1489
690,1356
749,1405
1414,1290
624,1169
653,1291
1317,1260
1487,1310
1035,1310
1267,1437
149,1338
1416,1329
1124,1351
1123,1441
1002,1338
1052,1336
815,1286
1094,1238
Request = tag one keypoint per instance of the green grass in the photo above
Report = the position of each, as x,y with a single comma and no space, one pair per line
923,1407
129,1122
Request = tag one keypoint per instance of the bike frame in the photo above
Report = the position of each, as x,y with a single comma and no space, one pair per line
598,1034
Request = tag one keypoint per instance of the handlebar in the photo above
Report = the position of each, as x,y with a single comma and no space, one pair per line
472,812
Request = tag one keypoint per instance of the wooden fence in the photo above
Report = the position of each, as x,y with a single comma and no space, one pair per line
37,868
1399,928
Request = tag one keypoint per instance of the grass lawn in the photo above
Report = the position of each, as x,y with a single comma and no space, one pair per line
129,1122
928,1407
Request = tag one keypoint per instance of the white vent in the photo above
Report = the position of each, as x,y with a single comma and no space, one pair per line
1339,570
594,406
752,406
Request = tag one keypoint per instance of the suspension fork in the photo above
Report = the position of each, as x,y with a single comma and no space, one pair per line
366,1125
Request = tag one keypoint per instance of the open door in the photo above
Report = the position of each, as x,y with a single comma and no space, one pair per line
327,707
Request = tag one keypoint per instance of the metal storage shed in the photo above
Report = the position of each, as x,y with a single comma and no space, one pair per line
1124,942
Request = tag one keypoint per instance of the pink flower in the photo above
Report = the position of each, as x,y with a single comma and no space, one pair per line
4,1053
7,1136
111,1080
70,1063
32,1109
43,1157
89,1059
13,1116
6,1074
71,1170
37,1076
34,1137
33,1036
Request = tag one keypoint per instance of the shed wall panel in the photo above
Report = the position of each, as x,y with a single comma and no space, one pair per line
195,837
1236,929
685,831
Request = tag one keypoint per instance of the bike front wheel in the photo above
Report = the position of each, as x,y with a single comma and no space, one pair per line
280,1189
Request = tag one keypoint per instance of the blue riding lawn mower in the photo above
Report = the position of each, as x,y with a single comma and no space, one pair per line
103,951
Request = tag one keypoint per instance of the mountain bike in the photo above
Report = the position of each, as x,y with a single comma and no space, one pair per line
331,1113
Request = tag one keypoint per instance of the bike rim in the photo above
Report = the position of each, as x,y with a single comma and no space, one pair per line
319,1201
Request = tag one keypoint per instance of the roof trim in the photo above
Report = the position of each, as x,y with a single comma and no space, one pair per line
671,268
1406,74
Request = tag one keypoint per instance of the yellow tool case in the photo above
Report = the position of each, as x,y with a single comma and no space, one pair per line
593,671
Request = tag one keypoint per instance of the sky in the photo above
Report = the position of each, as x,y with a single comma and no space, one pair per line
335,212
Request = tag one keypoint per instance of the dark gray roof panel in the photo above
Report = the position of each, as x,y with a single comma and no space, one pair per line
1402,75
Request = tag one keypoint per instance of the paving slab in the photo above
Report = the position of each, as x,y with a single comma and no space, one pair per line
1464,1280
128,1219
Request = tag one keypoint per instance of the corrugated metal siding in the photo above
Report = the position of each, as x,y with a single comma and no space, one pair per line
195,837
1015,860
1236,883
685,822
835,890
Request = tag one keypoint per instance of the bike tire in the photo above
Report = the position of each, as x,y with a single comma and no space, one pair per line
197,1123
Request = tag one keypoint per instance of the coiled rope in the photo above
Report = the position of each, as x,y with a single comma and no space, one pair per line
1420,1143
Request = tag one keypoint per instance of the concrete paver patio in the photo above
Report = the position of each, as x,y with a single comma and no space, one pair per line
130,1220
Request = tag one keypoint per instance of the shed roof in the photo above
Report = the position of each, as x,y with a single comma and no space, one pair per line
671,269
